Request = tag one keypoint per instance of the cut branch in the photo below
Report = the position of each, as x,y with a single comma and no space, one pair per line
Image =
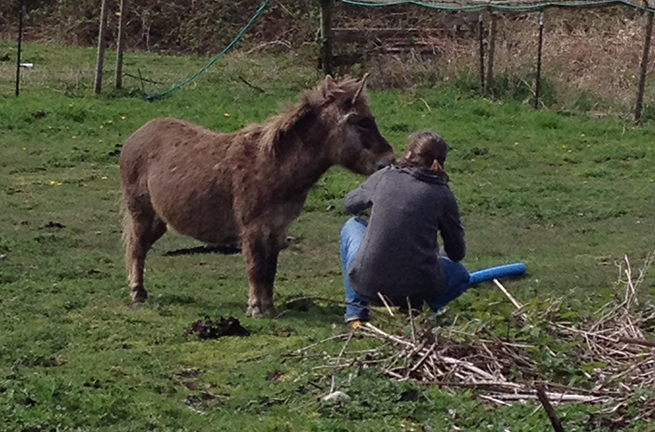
254,87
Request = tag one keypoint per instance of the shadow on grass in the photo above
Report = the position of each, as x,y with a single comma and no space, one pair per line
205,249
311,314
308,310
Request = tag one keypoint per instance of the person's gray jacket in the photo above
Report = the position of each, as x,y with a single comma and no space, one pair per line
398,255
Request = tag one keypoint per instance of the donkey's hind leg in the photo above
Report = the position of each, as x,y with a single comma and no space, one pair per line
141,230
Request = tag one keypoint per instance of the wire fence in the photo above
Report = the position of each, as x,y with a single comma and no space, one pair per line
497,53
501,6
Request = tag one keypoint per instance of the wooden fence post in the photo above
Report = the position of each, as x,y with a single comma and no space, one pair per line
120,45
21,17
101,47
539,54
644,68
481,34
492,51
326,36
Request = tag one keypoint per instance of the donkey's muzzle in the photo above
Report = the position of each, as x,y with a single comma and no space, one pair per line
385,161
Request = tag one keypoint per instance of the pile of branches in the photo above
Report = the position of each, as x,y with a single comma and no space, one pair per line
505,372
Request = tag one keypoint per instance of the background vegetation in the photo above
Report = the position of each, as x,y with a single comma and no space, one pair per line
591,56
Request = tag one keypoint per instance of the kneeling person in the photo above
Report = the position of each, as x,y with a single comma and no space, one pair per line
396,254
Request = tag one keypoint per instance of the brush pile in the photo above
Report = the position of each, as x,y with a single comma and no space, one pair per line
612,352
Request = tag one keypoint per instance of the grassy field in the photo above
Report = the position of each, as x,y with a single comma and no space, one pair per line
569,196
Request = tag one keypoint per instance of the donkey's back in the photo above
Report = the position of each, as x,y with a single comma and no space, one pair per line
167,140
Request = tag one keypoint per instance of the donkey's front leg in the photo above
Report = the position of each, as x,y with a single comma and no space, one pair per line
261,263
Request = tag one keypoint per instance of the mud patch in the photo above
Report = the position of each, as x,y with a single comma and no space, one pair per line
208,329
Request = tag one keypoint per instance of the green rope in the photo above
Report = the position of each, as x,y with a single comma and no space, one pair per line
164,93
498,6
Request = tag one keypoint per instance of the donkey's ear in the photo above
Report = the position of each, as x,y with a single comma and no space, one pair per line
328,86
360,89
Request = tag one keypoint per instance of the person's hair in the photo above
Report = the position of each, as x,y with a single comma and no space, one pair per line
425,149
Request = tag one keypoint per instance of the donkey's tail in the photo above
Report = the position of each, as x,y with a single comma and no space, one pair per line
128,237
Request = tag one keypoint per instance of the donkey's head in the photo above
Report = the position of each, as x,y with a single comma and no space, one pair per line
334,121
353,139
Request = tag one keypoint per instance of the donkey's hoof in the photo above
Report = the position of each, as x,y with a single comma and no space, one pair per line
139,296
258,312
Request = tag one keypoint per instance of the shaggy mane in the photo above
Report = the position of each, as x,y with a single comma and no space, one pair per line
311,102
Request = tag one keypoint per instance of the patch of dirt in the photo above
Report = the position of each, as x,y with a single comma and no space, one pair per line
411,396
55,226
93,384
204,401
116,152
38,361
189,373
187,378
27,401
208,329
284,331
273,376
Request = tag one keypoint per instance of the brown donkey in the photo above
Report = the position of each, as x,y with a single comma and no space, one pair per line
247,186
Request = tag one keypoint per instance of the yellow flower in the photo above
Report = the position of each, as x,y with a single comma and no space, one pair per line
104,177
55,183
122,117
226,114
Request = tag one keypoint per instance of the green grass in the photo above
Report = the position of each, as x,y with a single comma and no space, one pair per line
567,195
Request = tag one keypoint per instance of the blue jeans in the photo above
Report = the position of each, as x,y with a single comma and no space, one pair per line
352,234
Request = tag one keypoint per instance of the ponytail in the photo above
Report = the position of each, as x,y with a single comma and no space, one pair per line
426,149
437,168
